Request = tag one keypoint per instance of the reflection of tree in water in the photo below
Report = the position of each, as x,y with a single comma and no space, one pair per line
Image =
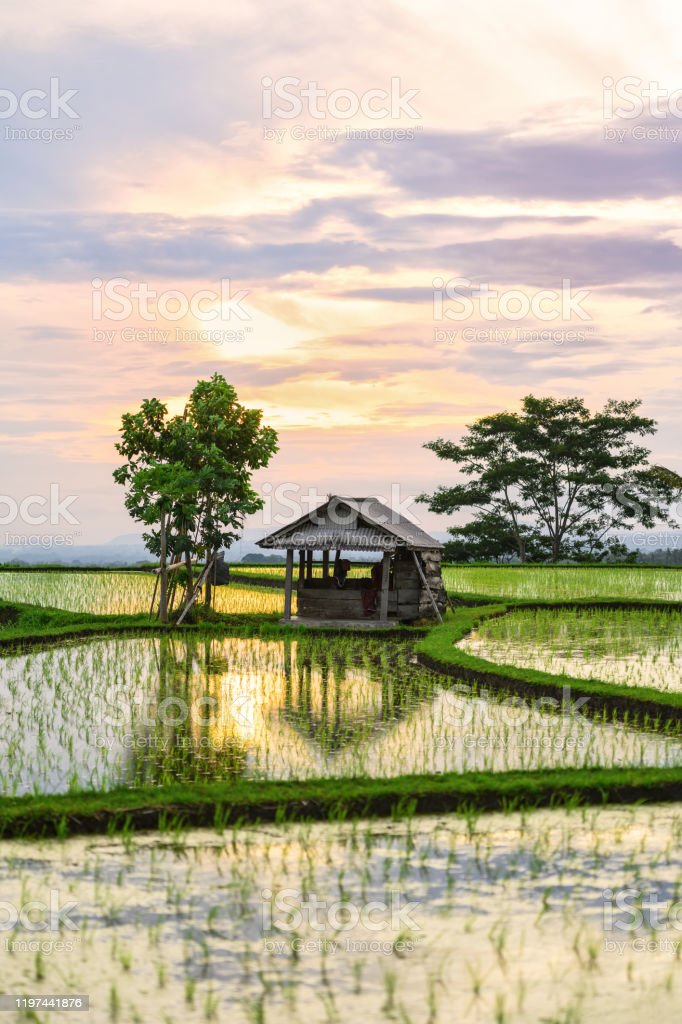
172,745
339,696
333,694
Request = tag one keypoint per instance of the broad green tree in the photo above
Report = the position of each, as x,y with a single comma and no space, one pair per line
189,477
558,477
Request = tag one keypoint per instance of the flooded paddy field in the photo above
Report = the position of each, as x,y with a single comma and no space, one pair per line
633,647
565,917
127,710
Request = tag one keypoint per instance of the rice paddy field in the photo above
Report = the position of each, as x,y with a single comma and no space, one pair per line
631,647
548,916
112,593
136,711
564,583
549,583
502,918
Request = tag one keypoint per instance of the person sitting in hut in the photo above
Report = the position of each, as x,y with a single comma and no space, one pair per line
341,570
370,590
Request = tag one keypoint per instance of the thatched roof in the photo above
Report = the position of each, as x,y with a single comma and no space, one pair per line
351,524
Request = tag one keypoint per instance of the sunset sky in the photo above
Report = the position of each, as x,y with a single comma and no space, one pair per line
511,173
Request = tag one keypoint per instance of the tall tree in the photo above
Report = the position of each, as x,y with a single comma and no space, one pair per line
225,442
189,477
556,475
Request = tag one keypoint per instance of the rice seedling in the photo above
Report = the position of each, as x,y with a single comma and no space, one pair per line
563,583
129,711
633,647
158,961
112,593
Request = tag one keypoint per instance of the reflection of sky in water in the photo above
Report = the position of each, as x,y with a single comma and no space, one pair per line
629,647
123,711
519,900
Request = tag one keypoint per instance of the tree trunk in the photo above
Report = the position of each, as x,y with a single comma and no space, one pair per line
522,550
190,578
163,598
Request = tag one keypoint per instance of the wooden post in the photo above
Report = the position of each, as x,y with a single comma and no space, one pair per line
288,581
163,576
385,574
208,594
325,565
195,591
308,566
301,566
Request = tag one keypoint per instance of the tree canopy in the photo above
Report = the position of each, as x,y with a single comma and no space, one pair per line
555,480
189,477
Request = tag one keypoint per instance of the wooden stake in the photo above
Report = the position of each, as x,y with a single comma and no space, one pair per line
288,581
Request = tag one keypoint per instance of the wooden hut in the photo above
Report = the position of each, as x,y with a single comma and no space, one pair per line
403,585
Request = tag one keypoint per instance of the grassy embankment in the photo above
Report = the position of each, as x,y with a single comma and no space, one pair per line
248,801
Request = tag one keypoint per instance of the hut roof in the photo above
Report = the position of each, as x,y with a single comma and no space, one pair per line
351,524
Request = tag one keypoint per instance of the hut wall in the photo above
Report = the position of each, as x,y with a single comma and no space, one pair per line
318,599
431,565
407,585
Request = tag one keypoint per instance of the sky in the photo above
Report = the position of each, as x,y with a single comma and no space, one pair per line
470,203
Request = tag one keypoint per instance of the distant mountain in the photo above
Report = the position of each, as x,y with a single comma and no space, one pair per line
129,549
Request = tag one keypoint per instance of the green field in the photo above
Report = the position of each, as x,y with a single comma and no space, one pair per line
130,593
267,761
564,583
546,582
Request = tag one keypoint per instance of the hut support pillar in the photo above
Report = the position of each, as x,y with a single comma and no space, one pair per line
288,583
385,573
308,566
325,565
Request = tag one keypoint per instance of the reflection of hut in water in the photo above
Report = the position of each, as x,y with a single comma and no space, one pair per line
405,585
339,704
